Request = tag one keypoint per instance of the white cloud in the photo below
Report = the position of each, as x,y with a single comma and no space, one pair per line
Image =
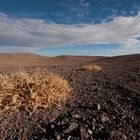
38,33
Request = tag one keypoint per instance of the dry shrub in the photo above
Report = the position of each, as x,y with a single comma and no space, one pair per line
22,90
91,67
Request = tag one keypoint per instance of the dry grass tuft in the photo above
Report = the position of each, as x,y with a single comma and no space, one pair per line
21,90
91,67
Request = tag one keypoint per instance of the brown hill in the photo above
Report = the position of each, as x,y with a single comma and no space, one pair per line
20,59
28,59
121,59
11,60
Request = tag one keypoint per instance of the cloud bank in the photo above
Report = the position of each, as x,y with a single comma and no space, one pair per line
38,33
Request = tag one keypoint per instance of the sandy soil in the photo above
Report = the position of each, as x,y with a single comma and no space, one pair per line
102,105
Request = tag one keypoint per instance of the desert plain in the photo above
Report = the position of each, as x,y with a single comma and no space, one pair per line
102,100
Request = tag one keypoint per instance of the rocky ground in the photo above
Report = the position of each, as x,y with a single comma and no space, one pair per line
101,105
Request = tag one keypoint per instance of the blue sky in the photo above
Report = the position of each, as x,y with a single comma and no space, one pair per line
70,27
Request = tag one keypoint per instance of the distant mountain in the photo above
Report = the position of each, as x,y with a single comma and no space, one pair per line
122,58
28,59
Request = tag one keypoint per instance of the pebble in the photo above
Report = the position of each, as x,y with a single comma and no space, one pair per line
93,127
58,137
84,133
52,126
71,127
114,117
69,138
76,116
98,107
64,121
117,135
104,119
90,131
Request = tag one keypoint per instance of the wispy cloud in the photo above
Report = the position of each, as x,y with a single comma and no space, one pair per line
37,33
